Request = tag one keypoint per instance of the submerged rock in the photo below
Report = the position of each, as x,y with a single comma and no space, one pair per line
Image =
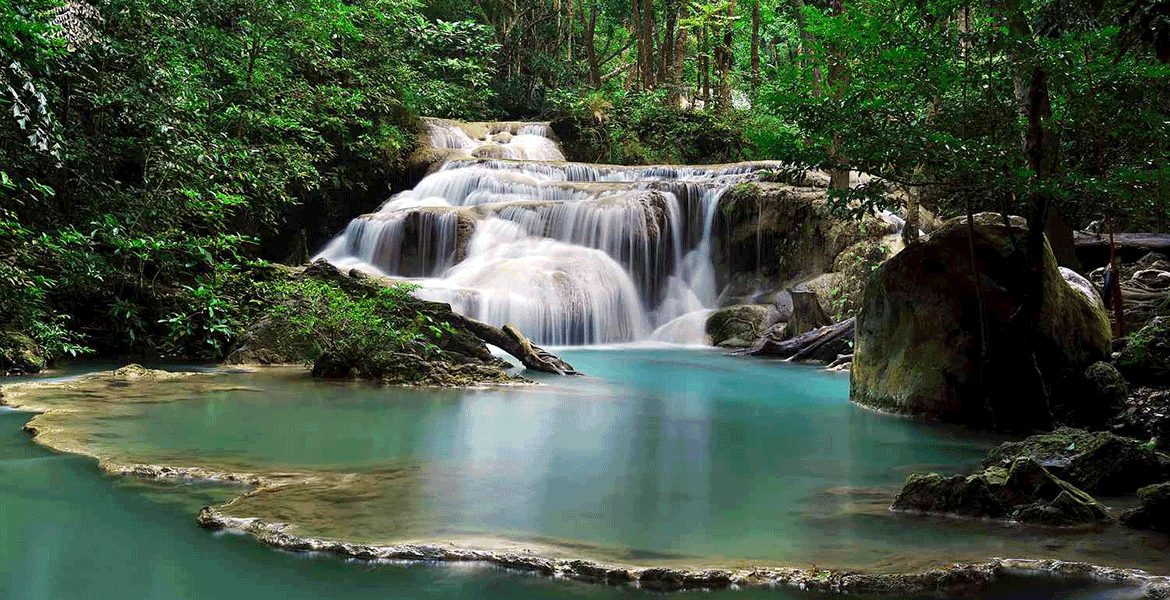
918,336
1025,492
1154,512
1098,462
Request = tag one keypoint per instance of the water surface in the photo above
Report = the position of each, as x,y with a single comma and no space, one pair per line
672,457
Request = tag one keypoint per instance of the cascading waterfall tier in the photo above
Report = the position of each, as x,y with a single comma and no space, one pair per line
571,253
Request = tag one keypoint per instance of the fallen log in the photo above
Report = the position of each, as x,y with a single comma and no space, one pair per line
510,340
1093,250
823,344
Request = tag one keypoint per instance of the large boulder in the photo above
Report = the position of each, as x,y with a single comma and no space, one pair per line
20,355
740,326
1154,512
768,235
1146,359
1024,491
917,348
1098,462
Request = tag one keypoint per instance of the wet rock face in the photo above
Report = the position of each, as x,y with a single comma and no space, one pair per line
1154,512
768,235
1146,358
1025,491
918,341
1098,462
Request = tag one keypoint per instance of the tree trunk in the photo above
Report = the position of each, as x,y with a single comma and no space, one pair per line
756,44
666,51
806,43
648,39
1040,151
680,56
725,62
591,47
838,79
706,67
636,33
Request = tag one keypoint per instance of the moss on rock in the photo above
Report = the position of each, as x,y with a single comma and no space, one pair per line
918,347
19,354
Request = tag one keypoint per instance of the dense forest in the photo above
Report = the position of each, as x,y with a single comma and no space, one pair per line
154,153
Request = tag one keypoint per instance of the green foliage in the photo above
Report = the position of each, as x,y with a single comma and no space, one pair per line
898,90
324,319
618,127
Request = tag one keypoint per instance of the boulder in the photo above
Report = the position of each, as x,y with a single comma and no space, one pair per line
1146,359
918,348
740,326
1098,462
20,355
1101,397
768,235
1154,511
1023,491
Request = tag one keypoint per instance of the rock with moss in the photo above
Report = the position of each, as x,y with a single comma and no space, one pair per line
937,336
1023,491
20,355
1098,462
740,326
1154,511
403,368
768,236
1146,359
1100,397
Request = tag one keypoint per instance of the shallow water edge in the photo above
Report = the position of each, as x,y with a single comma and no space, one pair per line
555,561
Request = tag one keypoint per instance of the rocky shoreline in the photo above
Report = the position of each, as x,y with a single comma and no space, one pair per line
958,579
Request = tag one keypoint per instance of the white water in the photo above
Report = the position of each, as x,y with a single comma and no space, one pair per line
569,253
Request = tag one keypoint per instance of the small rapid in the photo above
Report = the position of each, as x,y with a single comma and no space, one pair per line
506,231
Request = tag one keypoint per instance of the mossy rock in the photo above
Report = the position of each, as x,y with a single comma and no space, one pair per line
1101,397
740,326
1146,358
1098,462
1154,511
1024,491
401,368
918,347
20,355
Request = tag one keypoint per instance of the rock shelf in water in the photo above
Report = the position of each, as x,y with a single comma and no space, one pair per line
957,579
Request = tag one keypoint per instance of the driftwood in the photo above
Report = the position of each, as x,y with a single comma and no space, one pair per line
1093,249
824,344
510,340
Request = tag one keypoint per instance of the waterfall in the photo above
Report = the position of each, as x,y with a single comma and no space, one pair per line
507,232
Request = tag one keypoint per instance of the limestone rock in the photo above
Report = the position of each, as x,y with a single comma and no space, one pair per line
1146,359
1098,462
740,326
19,354
1025,491
1154,512
918,333
768,235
